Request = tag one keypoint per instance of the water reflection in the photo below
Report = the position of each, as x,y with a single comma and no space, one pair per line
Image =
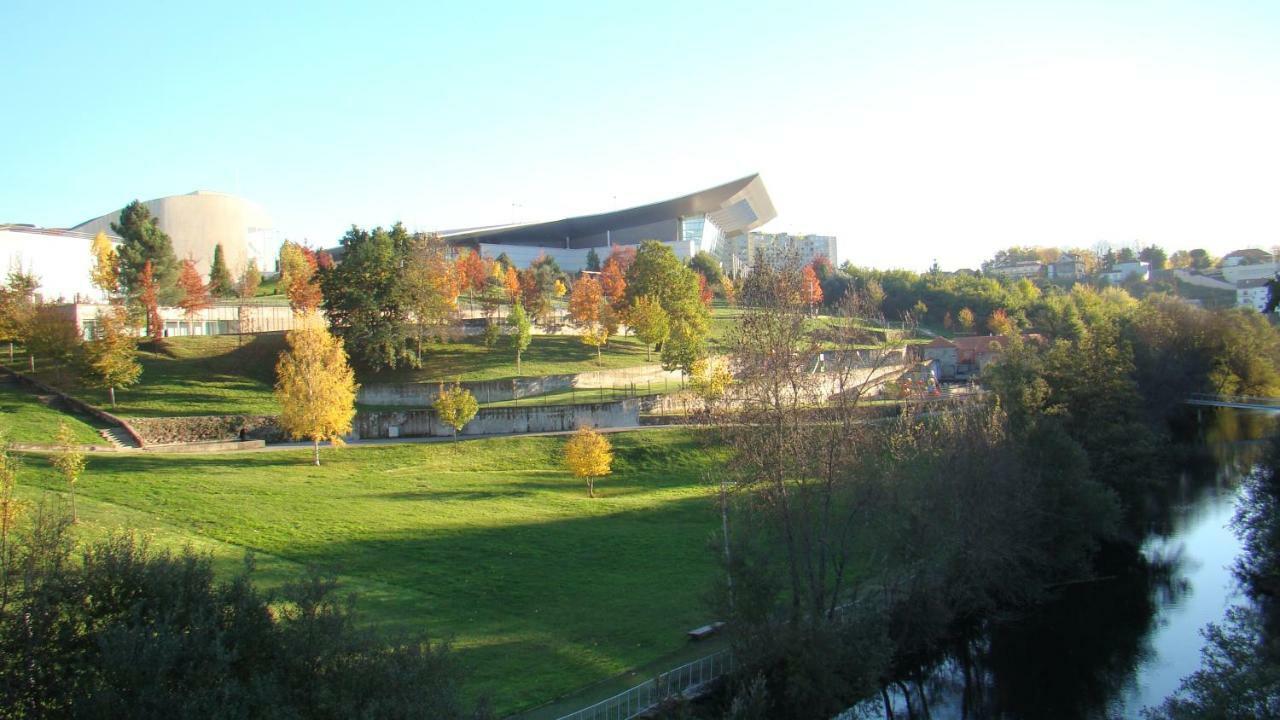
1108,648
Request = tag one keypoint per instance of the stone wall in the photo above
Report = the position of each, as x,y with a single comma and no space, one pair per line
207,428
498,421
423,394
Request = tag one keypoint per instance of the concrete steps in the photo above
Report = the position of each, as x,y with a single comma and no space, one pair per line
119,439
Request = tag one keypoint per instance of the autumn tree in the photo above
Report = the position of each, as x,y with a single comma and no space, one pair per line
1000,323
195,293
623,256
649,322
105,274
811,289
511,283
966,319
430,285
11,507
143,242
69,460
710,379
149,299
111,357
614,284
586,306
455,407
298,266
250,280
471,272
588,455
315,386
521,331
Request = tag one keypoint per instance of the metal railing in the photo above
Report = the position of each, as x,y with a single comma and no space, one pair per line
647,695
1246,400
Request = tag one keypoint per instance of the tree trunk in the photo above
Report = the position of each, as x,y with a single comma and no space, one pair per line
31,361
647,356
599,361
316,450
591,487
74,518
517,362
112,392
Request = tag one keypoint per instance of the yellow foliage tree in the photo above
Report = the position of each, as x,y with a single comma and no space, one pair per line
966,319
710,379
111,358
560,289
70,461
10,509
589,455
315,386
455,407
106,265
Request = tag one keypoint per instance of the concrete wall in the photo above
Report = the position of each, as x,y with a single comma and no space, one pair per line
498,421
423,394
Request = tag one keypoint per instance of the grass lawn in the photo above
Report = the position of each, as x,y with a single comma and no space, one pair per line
469,359
23,418
490,542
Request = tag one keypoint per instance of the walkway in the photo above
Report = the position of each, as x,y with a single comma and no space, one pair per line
1241,402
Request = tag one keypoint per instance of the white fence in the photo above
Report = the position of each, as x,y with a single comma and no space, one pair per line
685,679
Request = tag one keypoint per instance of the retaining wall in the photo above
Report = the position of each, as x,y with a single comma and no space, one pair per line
74,404
207,428
498,421
423,394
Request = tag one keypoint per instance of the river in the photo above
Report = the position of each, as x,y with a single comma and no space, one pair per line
1109,648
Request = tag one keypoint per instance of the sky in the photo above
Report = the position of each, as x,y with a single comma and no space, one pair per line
914,131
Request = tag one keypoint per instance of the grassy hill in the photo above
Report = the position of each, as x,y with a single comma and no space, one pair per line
25,419
489,542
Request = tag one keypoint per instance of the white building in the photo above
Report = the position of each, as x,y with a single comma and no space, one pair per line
1123,271
61,260
738,253
1252,293
1022,269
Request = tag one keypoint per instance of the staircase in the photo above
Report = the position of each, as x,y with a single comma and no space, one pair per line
118,438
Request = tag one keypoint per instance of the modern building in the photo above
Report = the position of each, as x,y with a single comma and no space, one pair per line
688,224
739,252
1253,293
201,220
60,260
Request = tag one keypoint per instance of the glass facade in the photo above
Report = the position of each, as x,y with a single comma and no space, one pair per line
700,233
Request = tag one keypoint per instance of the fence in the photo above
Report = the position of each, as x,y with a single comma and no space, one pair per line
647,695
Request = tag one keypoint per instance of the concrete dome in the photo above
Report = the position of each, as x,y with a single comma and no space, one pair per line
199,221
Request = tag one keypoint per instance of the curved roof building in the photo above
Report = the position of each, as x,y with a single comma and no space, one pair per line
198,221
690,223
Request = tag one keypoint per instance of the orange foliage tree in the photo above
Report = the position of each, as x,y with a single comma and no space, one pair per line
149,297
812,289
613,283
195,293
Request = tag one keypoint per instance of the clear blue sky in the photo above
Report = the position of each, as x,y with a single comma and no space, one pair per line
913,130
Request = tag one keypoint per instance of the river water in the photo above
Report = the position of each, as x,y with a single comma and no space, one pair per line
1108,649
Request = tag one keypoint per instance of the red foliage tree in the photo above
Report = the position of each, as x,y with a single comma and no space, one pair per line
584,303
704,290
149,296
195,293
614,283
811,288
623,255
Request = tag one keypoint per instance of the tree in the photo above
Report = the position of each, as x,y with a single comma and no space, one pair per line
143,242
250,280
649,321
614,284
149,299
1155,256
1201,259
17,307
585,307
430,285
623,256
1000,324
455,407
521,331
593,260
659,273
111,357
811,289
707,265
53,335
472,273
69,460
588,455
511,283
559,288
710,379
11,508
220,283
966,319
195,294
681,349
105,274
298,267
365,300
315,386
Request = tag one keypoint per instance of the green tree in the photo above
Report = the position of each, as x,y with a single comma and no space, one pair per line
658,273
649,321
1155,255
17,307
593,260
708,266
364,297
521,331
53,336
220,283
111,357
144,242
455,407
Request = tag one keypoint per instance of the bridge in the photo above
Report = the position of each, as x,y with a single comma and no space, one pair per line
1242,402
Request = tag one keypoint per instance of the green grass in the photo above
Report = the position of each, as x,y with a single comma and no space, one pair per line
469,359
25,419
490,542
